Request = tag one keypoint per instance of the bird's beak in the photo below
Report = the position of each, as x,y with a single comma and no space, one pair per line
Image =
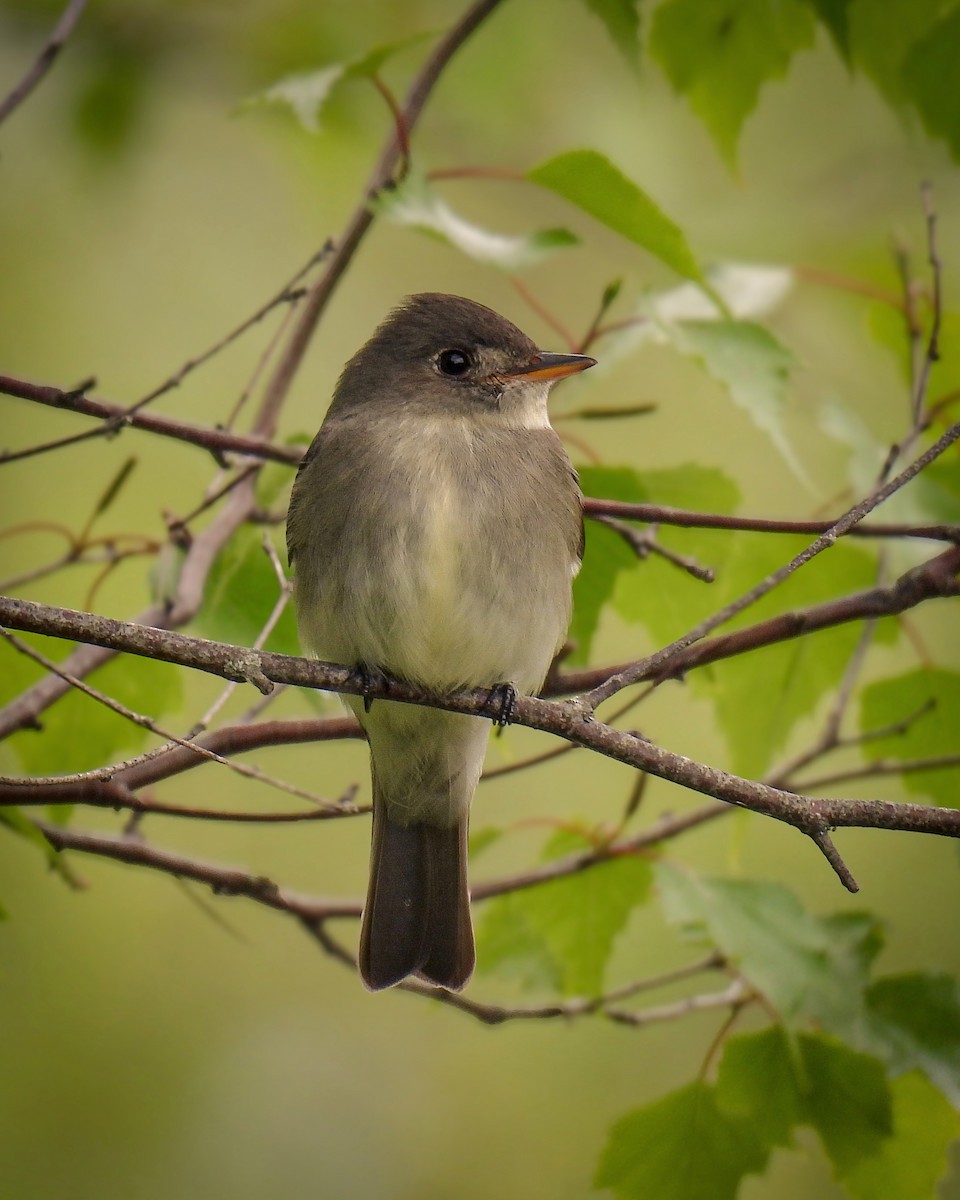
552,366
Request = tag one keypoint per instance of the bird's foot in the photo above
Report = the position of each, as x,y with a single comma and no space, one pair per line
501,701
371,679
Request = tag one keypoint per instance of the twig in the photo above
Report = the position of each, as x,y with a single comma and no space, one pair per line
216,441
146,722
734,996
45,59
665,515
881,766
646,543
932,350
661,658
809,815
364,215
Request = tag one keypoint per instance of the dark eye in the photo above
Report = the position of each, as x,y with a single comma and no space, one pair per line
453,362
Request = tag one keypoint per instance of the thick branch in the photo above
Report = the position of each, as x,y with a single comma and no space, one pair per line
815,817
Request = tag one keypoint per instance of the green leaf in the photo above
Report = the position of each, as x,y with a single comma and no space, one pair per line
605,554
305,93
682,1147
908,1164
416,205
622,19
930,78
835,14
753,367
914,1021
881,36
241,592
79,733
757,1083
591,182
111,100
848,1101
933,733
562,931
611,569
806,966
719,53
758,697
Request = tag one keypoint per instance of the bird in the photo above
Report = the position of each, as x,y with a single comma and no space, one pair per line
434,530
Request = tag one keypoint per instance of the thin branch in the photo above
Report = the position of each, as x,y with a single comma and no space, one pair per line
661,514
45,59
145,722
736,995
216,441
661,658
363,216
879,767
810,815
645,543
936,578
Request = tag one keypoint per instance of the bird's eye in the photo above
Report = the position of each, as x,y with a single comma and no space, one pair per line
453,362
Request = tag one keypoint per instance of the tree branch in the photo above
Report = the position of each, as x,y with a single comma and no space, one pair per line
45,59
812,816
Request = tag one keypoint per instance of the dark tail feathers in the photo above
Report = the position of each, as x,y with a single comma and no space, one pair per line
417,916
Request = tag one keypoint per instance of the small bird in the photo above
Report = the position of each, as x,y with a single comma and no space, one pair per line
435,529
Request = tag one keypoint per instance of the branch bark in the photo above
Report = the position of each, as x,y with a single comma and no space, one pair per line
812,816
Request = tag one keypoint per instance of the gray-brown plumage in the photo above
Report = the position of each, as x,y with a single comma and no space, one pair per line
435,528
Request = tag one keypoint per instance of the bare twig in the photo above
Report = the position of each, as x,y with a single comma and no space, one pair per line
661,658
665,515
216,441
363,216
45,59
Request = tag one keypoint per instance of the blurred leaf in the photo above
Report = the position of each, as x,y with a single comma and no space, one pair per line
111,101
881,36
611,569
867,455
757,1083
17,822
305,93
848,1101
240,595
774,1084
908,1164
751,365
622,19
719,53
79,733
807,967
562,931
835,15
930,78
914,1022
591,182
416,205
682,1147
605,554
481,839
758,696
934,733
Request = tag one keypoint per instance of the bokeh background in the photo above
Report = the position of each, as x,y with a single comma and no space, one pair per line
156,1043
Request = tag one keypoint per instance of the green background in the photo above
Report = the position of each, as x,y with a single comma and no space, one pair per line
146,1049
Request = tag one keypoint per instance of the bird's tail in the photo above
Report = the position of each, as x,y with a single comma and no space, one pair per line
417,916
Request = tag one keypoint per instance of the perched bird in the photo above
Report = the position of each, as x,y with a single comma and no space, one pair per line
435,528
